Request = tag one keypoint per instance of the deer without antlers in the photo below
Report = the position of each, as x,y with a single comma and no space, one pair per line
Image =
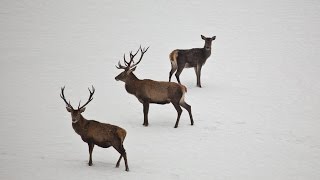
96,133
187,58
148,91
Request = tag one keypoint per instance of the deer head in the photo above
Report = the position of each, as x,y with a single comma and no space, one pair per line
130,66
76,113
208,41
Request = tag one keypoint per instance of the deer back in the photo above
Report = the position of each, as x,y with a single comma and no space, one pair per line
156,91
194,56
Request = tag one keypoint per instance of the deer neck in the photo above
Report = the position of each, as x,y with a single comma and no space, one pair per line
207,51
79,126
132,83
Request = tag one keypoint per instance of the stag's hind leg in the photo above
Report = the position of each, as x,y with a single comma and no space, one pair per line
118,163
188,108
179,111
119,147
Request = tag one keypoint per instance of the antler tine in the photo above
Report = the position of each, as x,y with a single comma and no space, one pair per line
120,66
133,55
89,99
79,104
63,97
124,58
131,58
142,53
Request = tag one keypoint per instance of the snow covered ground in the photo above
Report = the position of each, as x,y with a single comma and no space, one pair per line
256,117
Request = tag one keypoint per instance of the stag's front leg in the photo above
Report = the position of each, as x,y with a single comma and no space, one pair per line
145,113
91,145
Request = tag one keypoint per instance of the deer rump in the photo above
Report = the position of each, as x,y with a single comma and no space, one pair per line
159,92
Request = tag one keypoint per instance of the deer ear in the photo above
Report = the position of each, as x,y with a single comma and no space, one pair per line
213,38
204,38
68,109
82,109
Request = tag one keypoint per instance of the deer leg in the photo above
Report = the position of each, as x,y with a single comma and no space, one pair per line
180,69
188,108
118,163
91,145
195,70
145,112
125,159
179,111
198,73
119,147
173,69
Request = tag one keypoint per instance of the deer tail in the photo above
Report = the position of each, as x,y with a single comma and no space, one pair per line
173,58
173,55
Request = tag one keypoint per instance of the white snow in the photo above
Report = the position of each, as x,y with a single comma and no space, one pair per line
256,117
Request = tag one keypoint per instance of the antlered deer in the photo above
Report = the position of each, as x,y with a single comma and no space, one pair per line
96,133
148,91
188,58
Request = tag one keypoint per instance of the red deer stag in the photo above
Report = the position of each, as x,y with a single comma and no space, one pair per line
188,58
148,91
96,133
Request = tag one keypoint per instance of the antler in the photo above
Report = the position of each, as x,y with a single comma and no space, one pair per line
142,53
120,66
133,55
64,99
129,65
89,99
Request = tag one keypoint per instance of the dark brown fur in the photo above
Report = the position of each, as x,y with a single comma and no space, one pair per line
188,58
97,133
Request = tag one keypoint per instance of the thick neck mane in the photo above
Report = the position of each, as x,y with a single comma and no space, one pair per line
79,127
131,84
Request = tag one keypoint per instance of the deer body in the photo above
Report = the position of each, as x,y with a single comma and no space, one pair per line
149,91
91,132
154,91
96,133
188,58
192,57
